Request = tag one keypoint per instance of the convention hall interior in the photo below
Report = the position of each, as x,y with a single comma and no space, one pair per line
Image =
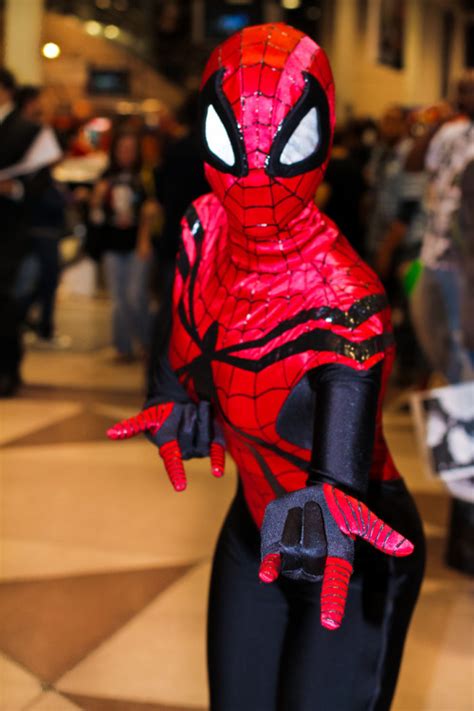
104,568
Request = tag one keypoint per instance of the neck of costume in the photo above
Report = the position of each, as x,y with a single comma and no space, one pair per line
266,255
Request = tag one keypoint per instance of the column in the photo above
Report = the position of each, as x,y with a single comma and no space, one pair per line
343,55
23,23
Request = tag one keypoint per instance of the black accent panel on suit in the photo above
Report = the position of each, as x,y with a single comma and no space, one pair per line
344,426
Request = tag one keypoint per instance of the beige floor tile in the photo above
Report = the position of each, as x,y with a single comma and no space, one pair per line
50,701
17,687
106,497
20,417
22,560
405,451
437,671
144,661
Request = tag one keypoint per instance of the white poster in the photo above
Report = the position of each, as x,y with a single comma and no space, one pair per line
444,419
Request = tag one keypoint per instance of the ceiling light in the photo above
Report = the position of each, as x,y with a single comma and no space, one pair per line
51,50
111,32
290,4
93,28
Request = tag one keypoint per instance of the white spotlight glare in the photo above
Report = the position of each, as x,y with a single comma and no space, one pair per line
93,28
111,32
51,50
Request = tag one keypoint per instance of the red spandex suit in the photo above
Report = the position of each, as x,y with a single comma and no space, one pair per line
278,351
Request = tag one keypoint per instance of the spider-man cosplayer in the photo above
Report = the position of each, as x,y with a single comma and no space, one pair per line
279,349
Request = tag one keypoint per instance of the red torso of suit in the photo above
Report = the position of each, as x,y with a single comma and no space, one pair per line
247,329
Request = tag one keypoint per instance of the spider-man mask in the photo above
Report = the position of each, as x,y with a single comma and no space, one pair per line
267,113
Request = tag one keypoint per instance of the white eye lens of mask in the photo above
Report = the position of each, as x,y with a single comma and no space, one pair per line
303,141
217,137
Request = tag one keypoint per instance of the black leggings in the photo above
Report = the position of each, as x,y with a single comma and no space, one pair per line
267,650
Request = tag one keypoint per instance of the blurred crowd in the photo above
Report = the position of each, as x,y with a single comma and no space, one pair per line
400,189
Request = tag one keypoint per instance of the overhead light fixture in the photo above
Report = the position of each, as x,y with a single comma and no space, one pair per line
111,32
291,4
103,4
51,50
93,28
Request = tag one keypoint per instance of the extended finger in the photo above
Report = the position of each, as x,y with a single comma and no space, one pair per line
150,419
270,568
173,461
337,574
354,518
292,530
217,455
314,539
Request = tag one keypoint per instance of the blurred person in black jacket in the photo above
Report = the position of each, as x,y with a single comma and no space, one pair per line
340,195
179,180
16,136
45,228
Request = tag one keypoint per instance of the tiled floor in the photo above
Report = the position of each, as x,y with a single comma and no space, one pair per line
104,568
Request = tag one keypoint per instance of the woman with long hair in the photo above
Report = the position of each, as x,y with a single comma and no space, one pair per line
119,209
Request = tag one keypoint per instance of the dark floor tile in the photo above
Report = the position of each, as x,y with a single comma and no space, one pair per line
48,626
90,703
86,426
105,396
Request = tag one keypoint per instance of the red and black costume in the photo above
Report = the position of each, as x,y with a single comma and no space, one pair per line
279,350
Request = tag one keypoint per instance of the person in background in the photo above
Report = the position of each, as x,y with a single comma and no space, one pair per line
123,219
384,175
179,180
29,103
396,260
340,195
446,156
17,135
38,278
387,229
466,223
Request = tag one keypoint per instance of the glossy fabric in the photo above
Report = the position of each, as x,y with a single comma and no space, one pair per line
343,439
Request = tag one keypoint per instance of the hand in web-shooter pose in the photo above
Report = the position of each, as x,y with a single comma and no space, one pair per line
279,348
171,427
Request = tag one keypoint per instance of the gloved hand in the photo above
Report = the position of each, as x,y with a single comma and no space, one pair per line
309,534
181,431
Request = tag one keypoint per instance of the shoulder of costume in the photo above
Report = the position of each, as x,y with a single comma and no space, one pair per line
350,301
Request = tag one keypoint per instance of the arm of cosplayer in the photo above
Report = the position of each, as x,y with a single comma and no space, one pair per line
309,534
179,427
